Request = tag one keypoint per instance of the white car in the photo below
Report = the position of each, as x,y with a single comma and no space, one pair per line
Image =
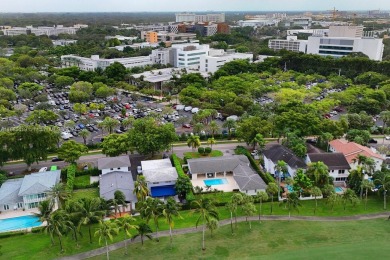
43,169
195,110
139,169
387,137
187,109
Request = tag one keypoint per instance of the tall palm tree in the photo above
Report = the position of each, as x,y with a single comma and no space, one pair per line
143,230
45,208
198,127
229,124
152,209
71,209
365,165
385,116
318,172
280,168
141,190
366,184
58,193
249,209
232,207
106,230
171,209
383,180
261,196
292,202
236,199
272,189
57,225
316,192
193,141
213,128
211,142
90,212
348,196
109,124
126,223
128,122
84,134
332,199
206,210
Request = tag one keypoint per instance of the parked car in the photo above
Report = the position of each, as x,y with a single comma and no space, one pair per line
372,141
186,126
187,109
139,169
57,159
43,169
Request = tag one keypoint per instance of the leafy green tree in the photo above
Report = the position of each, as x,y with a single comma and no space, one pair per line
258,140
261,196
272,189
183,186
366,184
152,208
115,145
318,172
316,192
63,81
229,124
80,91
147,136
143,230
29,90
80,108
71,151
41,116
198,128
171,209
358,136
385,116
349,196
115,71
104,91
126,223
106,231
207,211
193,141
332,199
141,188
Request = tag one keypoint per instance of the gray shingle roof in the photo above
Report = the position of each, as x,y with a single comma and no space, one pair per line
114,162
113,181
245,177
334,161
277,152
216,164
160,175
9,192
39,182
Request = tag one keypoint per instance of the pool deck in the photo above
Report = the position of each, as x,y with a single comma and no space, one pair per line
17,213
230,186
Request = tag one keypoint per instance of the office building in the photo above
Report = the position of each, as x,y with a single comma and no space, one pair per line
217,58
199,18
188,55
291,44
43,30
346,31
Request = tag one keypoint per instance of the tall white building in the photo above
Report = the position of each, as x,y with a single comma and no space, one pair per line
291,44
346,31
217,58
188,55
197,18
90,64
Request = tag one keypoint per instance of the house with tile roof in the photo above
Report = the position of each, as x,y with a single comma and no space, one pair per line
276,152
238,166
160,176
29,191
351,150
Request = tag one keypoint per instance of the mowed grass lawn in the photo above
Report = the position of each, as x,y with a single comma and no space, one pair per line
274,240
194,155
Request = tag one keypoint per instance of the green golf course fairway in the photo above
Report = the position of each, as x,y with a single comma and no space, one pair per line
274,240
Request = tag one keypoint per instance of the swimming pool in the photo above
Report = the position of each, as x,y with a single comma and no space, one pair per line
338,189
17,223
212,182
289,188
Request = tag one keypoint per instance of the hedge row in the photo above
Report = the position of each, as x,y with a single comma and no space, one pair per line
267,178
71,174
176,162
12,234
91,172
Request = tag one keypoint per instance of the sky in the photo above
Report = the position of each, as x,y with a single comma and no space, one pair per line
28,6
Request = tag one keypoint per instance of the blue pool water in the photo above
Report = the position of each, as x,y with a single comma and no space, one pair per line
9,224
338,189
211,182
289,188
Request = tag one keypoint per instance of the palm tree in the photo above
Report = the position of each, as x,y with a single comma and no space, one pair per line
125,223
143,230
106,230
383,180
198,127
272,189
280,168
109,124
84,134
206,210
90,212
318,172
249,210
171,209
128,122
57,225
232,207
141,190
211,141
152,209
45,208
118,201
326,138
236,199
58,193
229,124
316,192
292,202
365,165
348,196
366,184
73,216
332,199
193,141
261,196
212,225
213,128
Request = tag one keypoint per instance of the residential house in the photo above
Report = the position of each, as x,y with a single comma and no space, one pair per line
247,180
160,176
27,192
110,164
337,164
277,152
352,150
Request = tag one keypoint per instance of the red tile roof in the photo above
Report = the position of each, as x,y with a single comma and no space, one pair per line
351,150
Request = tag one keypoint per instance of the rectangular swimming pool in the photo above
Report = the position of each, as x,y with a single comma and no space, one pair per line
212,182
17,223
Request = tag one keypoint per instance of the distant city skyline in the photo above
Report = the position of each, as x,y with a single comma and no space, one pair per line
28,6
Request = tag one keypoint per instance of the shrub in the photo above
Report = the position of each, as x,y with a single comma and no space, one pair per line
208,150
37,229
71,174
201,150
12,234
85,186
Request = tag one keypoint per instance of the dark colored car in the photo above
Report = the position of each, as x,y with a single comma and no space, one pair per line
56,159
372,141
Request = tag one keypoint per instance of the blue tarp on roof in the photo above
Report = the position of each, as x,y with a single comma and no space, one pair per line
162,191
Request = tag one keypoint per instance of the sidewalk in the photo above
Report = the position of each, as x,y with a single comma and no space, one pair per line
118,245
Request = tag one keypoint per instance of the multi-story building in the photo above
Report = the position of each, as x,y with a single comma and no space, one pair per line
206,29
258,22
90,64
151,37
304,22
188,55
291,44
217,58
191,17
44,30
161,56
63,42
223,28
346,31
